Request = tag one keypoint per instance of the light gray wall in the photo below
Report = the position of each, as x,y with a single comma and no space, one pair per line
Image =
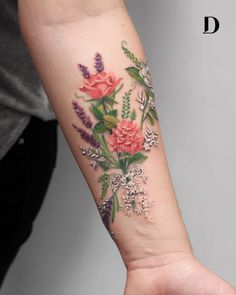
194,77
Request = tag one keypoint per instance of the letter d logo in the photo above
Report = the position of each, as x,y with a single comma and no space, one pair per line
207,25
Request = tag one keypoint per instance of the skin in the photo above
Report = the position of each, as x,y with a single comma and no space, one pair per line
61,33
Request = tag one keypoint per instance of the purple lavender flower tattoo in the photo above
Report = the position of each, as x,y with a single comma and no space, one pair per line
87,137
99,63
84,70
105,211
85,119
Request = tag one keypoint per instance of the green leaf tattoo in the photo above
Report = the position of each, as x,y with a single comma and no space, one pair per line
134,73
130,54
126,106
104,179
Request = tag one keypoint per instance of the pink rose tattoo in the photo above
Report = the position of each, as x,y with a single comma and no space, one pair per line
115,143
100,85
126,137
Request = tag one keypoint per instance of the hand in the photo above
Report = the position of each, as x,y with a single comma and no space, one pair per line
183,277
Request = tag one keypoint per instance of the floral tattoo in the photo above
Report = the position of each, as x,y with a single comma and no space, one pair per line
115,141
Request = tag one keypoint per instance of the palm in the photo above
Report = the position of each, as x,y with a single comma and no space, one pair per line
186,277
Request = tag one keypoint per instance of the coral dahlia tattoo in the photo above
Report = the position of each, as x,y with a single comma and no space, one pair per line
115,141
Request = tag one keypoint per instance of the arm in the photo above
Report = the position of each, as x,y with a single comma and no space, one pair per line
93,68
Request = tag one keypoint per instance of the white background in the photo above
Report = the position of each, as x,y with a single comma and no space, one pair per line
194,75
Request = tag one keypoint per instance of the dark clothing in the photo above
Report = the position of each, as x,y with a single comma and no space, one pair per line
21,92
25,173
28,139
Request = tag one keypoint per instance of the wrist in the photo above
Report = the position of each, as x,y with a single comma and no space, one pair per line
159,260
145,245
163,253
148,250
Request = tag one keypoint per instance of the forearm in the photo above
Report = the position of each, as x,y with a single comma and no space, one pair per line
141,211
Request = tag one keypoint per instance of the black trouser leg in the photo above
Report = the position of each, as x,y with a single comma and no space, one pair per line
25,173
